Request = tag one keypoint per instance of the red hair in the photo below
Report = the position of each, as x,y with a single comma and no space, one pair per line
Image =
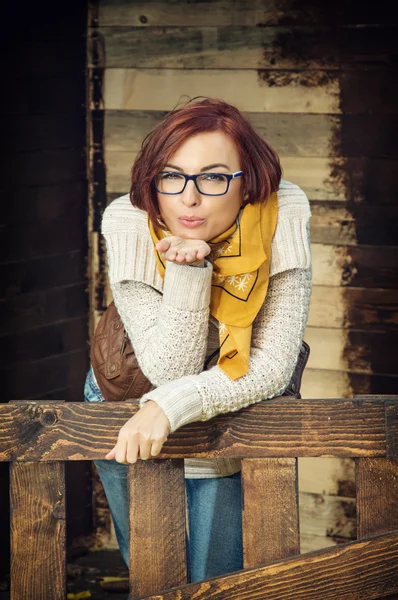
259,162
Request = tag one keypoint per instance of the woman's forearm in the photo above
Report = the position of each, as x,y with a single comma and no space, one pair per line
168,333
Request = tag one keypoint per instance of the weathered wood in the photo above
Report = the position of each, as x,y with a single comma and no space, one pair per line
46,203
45,168
337,223
355,266
270,515
281,427
328,518
327,477
149,13
295,134
54,58
157,526
52,270
65,336
38,531
27,241
356,308
352,350
377,492
366,569
27,133
45,376
392,429
138,89
338,384
39,309
52,95
242,47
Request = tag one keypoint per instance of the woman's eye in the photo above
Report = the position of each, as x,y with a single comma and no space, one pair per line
214,177
170,176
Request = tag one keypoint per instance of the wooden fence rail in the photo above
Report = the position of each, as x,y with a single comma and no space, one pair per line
37,437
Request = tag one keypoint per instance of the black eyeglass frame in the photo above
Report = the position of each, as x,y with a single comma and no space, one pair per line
187,178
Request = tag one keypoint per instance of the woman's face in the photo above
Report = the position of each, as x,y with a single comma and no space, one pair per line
211,152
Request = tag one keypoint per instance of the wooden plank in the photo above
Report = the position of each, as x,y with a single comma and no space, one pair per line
281,427
320,383
291,134
38,531
50,95
377,491
268,91
271,527
392,429
157,526
242,47
33,310
366,569
45,168
325,477
42,273
63,235
34,378
355,266
46,203
149,13
328,517
27,133
49,340
336,223
356,308
352,350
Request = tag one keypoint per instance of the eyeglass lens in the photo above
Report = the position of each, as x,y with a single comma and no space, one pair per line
208,183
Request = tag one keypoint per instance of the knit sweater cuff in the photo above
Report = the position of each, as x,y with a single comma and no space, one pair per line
187,287
179,400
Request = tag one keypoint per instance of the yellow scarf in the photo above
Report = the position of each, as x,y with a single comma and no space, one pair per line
241,261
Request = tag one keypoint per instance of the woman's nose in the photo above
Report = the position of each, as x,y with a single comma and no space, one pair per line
190,195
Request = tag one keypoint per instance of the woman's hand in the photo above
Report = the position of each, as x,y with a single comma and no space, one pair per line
142,436
181,250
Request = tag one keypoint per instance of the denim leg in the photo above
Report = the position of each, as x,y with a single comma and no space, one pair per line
114,478
215,526
214,513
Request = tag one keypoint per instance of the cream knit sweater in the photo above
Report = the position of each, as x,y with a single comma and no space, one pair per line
173,334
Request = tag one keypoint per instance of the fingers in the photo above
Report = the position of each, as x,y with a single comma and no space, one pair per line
128,451
156,448
111,454
164,244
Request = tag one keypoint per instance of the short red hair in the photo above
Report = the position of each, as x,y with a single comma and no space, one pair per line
259,162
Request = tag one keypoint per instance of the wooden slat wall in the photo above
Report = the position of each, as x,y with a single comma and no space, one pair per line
44,200
314,84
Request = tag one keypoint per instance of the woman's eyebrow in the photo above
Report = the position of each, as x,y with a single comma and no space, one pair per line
201,170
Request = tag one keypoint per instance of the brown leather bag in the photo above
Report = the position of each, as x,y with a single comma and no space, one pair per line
117,371
113,360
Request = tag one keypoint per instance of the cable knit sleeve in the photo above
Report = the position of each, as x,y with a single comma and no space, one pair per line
277,334
169,332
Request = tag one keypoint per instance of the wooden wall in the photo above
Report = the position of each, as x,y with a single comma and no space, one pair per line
319,82
44,300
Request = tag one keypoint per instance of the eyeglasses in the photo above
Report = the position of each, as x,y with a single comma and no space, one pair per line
208,184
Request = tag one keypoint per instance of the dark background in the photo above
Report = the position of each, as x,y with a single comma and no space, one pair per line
44,316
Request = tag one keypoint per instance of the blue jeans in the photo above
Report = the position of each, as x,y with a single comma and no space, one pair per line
214,544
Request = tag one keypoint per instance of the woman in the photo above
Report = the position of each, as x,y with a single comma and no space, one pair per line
209,266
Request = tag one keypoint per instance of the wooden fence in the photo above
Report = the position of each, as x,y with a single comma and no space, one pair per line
37,437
